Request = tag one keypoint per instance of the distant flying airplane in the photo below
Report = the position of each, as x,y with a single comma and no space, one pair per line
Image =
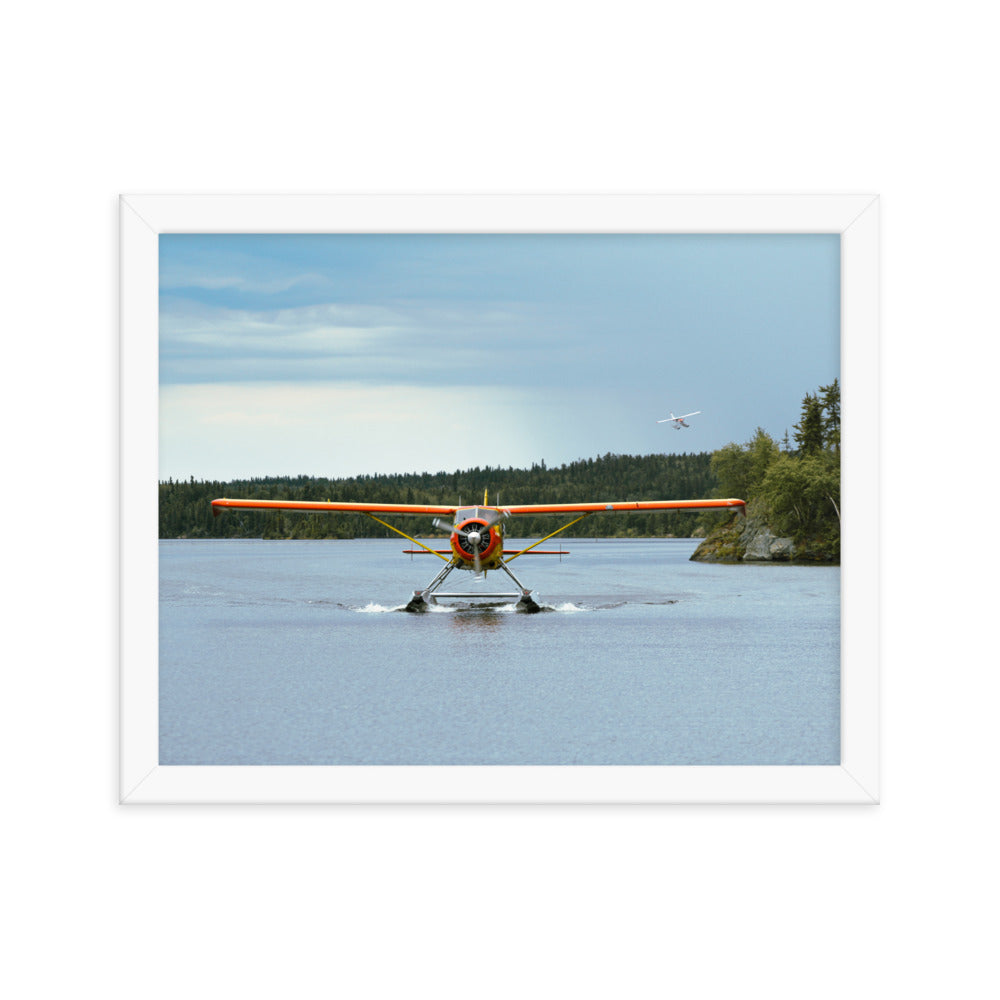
476,533
678,422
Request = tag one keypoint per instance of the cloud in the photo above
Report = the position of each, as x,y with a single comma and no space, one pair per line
187,278
406,342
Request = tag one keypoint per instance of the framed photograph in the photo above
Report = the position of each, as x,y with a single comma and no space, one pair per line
471,379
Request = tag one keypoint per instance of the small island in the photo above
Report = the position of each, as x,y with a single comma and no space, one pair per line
792,493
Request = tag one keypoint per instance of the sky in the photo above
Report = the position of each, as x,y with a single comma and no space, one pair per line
350,354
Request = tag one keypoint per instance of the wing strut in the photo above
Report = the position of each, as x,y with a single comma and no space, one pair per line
405,535
547,537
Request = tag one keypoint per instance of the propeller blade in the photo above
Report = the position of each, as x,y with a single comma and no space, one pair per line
473,537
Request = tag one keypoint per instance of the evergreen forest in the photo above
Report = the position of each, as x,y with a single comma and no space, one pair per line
186,512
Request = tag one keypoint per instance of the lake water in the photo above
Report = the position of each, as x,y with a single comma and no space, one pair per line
297,652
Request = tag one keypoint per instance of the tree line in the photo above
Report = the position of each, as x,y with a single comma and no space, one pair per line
185,506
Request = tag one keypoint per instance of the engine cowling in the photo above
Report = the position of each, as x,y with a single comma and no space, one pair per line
473,537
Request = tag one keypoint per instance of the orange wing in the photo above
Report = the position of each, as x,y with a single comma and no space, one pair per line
627,505
332,506
426,509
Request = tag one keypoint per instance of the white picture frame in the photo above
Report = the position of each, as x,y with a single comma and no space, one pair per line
855,217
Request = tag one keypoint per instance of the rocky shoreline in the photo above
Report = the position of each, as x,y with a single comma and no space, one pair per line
750,540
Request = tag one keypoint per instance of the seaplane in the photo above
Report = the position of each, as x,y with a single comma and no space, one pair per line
678,422
476,534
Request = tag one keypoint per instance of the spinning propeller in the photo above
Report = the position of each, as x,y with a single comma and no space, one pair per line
476,537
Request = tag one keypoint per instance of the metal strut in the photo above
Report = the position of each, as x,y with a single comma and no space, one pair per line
422,599
527,602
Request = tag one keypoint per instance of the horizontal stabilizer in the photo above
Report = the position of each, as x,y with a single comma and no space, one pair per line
506,552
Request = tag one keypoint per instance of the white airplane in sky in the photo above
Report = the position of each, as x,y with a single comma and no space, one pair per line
678,422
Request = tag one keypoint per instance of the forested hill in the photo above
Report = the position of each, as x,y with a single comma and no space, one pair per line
185,507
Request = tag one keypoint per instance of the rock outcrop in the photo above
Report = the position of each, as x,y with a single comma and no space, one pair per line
761,545
748,539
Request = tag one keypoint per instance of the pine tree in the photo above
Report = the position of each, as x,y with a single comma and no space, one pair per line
809,434
830,395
